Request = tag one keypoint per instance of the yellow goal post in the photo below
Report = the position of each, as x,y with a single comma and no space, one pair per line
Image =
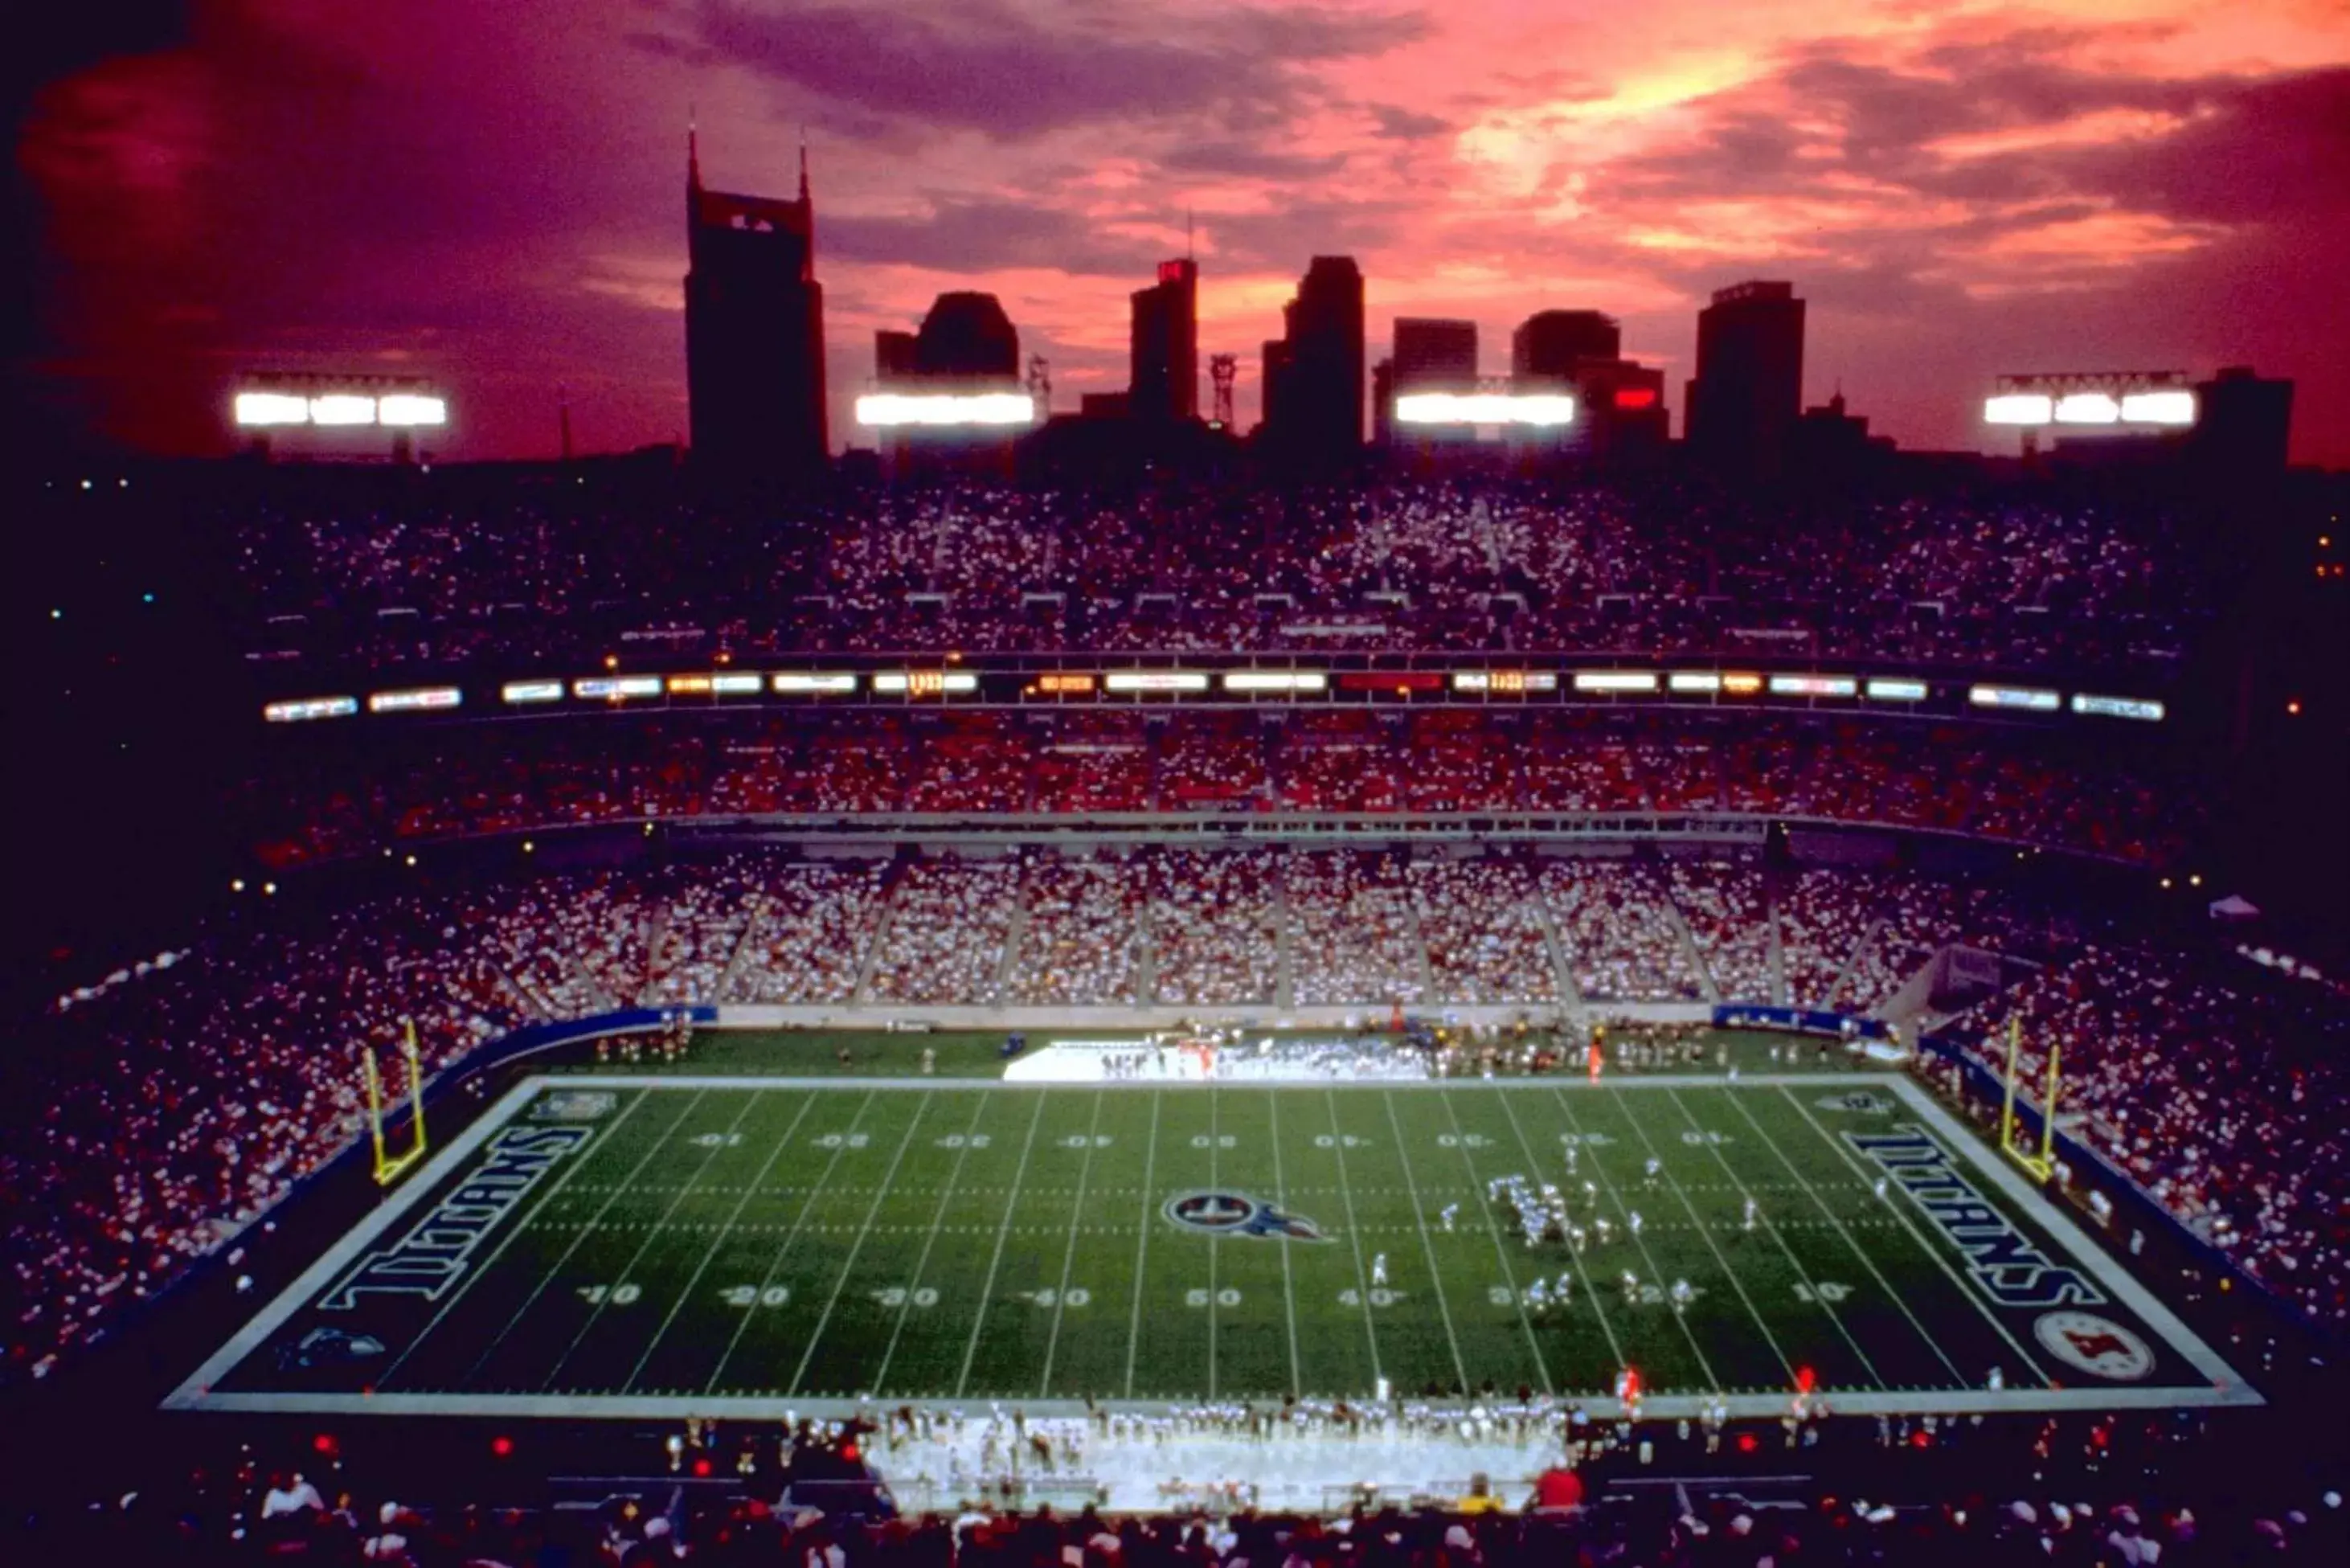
390,1168
2043,1163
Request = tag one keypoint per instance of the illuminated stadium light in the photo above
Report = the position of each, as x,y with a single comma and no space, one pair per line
1064,683
946,409
690,685
516,692
1275,680
738,684
1156,680
1615,680
617,688
1693,681
2029,698
416,699
1740,682
833,684
301,710
925,682
1508,682
2088,409
1546,408
1882,690
342,408
2145,708
1814,686
2174,406
272,408
411,409
2019,408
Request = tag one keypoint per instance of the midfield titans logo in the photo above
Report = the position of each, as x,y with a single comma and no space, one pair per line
1238,1214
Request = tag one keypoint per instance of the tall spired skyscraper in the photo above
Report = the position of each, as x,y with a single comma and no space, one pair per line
754,331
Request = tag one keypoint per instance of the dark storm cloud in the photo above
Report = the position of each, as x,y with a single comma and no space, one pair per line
1397,124
1281,240
1238,157
2271,151
967,236
1011,72
2226,148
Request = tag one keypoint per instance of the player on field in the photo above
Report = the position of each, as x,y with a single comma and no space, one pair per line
1378,1270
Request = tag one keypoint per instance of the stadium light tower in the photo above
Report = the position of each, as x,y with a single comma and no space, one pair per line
266,401
2133,401
1223,369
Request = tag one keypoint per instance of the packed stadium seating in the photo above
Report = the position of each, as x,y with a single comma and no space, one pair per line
2094,1492
235,1068
311,803
454,570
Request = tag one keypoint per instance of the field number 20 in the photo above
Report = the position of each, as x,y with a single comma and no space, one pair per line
752,1295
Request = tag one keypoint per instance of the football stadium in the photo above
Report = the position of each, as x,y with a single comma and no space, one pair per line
1395,964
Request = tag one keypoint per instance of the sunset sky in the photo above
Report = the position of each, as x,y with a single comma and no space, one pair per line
490,190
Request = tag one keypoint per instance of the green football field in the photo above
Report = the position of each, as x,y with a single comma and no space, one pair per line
669,1244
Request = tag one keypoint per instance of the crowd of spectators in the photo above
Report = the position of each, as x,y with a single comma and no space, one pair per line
232,1070
452,568
2221,1095
2091,1495
321,804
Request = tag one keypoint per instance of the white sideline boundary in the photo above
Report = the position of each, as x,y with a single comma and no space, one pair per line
2223,1386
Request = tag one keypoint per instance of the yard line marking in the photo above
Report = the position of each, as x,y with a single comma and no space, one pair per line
1501,1253
1354,1234
1735,1282
587,1231
791,1234
652,1233
1599,1170
880,1193
1288,1283
879,1382
1069,1253
1772,1225
1868,1259
1573,1258
1435,1275
1142,1246
987,1290
1213,1102
1924,1241
475,1277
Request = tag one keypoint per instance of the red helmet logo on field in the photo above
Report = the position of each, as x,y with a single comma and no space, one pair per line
2097,1345
1237,1214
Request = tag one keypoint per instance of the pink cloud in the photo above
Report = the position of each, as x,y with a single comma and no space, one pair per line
493,192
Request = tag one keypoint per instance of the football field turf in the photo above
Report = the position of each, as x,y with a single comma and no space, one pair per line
659,1245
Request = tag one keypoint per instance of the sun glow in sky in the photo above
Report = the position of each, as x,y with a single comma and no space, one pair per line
491,194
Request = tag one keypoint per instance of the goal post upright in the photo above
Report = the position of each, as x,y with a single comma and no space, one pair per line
389,1167
2007,1112
2042,1165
